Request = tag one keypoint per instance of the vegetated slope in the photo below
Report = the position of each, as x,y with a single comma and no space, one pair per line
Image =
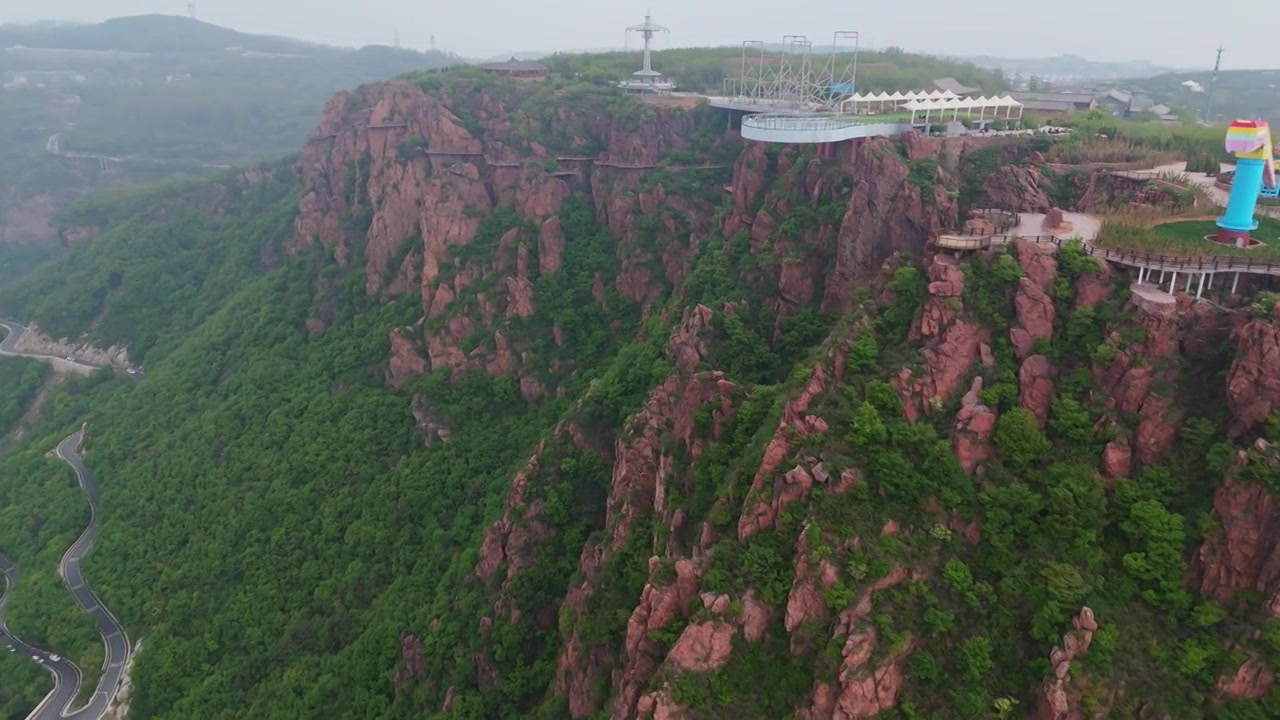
496,434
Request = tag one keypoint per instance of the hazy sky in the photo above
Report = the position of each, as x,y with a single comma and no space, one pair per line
1181,33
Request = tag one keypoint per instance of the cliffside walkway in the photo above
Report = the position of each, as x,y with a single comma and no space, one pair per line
1199,271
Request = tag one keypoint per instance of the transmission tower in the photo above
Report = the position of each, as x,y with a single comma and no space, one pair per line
191,10
1213,79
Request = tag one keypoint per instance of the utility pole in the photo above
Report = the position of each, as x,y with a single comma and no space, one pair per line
1213,80
396,41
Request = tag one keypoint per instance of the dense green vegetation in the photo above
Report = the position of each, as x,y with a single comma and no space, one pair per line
275,525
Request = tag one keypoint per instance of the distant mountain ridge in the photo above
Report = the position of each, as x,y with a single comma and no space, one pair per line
159,35
1067,66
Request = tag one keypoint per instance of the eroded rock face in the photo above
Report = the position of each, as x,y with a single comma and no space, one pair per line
1058,702
975,422
1117,459
1035,315
412,666
1253,680
886,214
760,509
1245,555
1253,383
1016,188
1035,387
1148,364
642,470
402,161
658,606
951,345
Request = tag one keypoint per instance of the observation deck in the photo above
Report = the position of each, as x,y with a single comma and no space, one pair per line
811,129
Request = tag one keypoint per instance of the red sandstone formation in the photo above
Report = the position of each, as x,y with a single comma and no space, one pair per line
1117,459
1016,188
975,422
760,509
1058,702
951,345
1035,316
1035,383
658,606
642,470
1132,382
1245,555
1253,383
886,214
1253,680
432,203
1093,290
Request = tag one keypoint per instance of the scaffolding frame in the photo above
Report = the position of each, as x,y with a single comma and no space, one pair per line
795,77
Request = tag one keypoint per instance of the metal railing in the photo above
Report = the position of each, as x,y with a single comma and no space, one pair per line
770,121
1177,263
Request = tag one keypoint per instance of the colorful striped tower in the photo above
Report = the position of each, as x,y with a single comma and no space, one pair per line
1250,141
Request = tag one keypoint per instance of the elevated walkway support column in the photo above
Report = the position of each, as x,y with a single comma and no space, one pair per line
1200,290
1173,283
1237,222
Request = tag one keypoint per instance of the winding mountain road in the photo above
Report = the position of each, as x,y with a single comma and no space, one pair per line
67,676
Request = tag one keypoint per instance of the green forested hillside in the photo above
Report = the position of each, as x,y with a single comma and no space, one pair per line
170,257
290,539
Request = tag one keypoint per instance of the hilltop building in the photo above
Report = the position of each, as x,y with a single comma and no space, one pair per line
516,68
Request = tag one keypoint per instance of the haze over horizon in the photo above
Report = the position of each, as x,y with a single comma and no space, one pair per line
1095,29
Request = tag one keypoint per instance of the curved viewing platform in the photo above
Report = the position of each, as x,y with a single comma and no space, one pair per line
780,128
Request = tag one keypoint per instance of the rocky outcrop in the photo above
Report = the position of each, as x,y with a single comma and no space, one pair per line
887,214
1253,680
1016,188
861,689
951,345
762,506
1035,387
1035,315
975,422
35,341
1093,289
412,666
642,655
1245,553
1117,459
1138,378
393,178
644,468
1253,383
1057,701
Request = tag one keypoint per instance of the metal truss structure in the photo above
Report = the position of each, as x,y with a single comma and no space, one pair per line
795,77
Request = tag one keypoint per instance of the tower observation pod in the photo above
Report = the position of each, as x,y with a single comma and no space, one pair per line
1250,141
646,79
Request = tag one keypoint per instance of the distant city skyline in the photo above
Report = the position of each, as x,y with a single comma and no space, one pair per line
1100,30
